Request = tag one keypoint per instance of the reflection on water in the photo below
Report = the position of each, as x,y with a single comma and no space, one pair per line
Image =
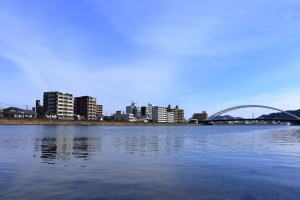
55,150
149,162
61,149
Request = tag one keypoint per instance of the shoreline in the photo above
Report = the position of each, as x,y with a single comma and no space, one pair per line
84,123
92,122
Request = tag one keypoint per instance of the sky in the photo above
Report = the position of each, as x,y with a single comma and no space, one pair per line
200,55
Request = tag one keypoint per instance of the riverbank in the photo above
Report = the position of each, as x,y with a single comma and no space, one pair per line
83,123
12,121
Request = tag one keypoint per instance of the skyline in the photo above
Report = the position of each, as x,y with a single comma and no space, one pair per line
198,55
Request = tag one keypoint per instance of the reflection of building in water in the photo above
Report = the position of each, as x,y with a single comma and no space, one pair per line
65,148
162,144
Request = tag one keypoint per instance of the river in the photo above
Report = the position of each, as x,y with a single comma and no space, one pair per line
149,162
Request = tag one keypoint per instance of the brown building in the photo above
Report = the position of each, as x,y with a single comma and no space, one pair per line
200,116
99,110
178,113
85,106
38,107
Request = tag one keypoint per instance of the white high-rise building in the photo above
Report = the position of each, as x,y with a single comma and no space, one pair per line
170,117
147,110
159,114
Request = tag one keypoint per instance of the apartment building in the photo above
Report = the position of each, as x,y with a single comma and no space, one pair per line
170,117
133,109
178,113
58,104
200,116
99,110
85,106
147,110
159,114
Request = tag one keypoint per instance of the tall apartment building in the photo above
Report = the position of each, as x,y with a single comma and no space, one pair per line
147,110
170,117
178,113
59,104
133,109
99,110
85,106
200,116
159,114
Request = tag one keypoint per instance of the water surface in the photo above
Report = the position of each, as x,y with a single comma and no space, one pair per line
149,162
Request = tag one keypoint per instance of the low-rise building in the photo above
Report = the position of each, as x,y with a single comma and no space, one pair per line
200,116
29,114
127,116
194,121
142,118
16,112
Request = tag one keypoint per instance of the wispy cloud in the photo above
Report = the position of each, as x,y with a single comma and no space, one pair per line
151,51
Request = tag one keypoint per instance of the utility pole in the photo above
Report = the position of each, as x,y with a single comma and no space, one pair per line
26,107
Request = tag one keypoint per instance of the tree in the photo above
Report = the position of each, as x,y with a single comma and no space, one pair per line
41,116
107,119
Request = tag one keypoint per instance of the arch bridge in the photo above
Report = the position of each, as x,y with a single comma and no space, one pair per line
211,118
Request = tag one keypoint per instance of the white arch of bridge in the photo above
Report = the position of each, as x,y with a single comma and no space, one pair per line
248,106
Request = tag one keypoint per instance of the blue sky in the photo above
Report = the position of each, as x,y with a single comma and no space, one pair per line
200,55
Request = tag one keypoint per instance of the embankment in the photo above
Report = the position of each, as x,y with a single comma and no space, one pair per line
82,123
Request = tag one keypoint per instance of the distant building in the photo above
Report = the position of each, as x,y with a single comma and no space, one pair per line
19,113
194,121
29,114
38,107
85,106
14,112
133,109
159,114
58,104
142,118
178,113
128,116
147,110
200,116
170,117
99,110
